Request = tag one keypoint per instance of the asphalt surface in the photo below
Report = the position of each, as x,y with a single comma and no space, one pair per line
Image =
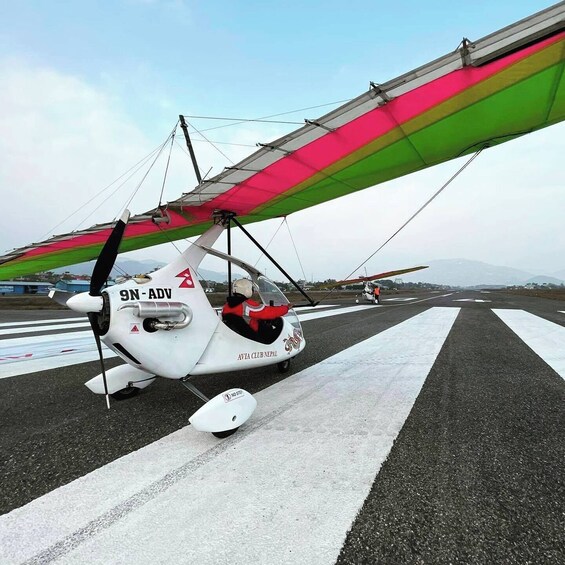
476,474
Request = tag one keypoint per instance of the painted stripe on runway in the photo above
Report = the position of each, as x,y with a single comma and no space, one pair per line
23,355
35,329
317,307
20,356
36,322
300,469
348,310
65,359
545,338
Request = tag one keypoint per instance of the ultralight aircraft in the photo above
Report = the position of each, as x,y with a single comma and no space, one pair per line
368,292
484,93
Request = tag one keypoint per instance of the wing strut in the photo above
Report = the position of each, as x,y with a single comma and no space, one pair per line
295,284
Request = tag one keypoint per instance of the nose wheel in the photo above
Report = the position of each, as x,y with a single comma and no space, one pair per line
226,433
284,366
125,393
224,414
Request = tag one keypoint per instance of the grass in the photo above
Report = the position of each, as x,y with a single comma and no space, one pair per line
29,302
550,293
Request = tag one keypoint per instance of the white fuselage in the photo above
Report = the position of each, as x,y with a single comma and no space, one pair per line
205,345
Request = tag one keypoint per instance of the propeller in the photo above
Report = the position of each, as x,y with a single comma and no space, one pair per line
107,256
91,303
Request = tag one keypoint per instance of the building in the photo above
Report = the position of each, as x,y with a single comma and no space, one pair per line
77,285
74,285
11,288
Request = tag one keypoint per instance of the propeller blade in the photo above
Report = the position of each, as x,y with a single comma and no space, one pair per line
92,320
108,255
60,296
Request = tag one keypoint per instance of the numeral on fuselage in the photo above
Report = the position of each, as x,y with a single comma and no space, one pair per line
149,294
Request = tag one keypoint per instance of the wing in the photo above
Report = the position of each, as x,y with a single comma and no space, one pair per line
385,275
487,92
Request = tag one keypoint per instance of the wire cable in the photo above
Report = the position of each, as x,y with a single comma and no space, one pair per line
270,241
295,250
435,195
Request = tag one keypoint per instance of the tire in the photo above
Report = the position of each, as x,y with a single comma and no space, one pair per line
284,366
226,433
125,393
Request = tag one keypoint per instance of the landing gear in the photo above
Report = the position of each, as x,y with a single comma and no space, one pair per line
284,366
226,433
218,415
125,393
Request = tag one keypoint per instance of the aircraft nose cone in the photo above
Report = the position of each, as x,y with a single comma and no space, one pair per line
85,303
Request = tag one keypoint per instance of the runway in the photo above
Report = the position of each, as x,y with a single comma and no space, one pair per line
428,430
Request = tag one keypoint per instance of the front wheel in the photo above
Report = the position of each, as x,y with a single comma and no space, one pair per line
225,433
125,393
284,366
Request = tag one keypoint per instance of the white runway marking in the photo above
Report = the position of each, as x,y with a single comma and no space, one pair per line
284,489
317,307
470,300
400,299
545,338
347,310
23,355
36,322
432,298
53,362
31,329
20,356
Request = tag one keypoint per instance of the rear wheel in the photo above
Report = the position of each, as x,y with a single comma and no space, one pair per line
125,393
284,366
225,433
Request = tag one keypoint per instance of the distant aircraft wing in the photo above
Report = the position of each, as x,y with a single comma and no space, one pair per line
370,278
487,92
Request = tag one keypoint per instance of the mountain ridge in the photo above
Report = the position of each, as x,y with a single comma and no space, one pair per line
465,272
454,272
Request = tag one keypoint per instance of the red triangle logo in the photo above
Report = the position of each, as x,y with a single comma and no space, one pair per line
187,282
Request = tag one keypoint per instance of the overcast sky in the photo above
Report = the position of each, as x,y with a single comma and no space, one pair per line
88,89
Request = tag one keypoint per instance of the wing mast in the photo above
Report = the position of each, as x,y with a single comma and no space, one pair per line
190,148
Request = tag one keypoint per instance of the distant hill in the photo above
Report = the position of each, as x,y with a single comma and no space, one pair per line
454,272
559,274
462,272
542,279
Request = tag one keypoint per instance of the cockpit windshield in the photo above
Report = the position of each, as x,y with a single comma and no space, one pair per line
271,294
268,291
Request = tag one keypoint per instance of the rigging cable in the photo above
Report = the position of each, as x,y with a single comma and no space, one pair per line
295,250
133,169
149,170
158,152
477,153
270,241
263,118
167,168
216,148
